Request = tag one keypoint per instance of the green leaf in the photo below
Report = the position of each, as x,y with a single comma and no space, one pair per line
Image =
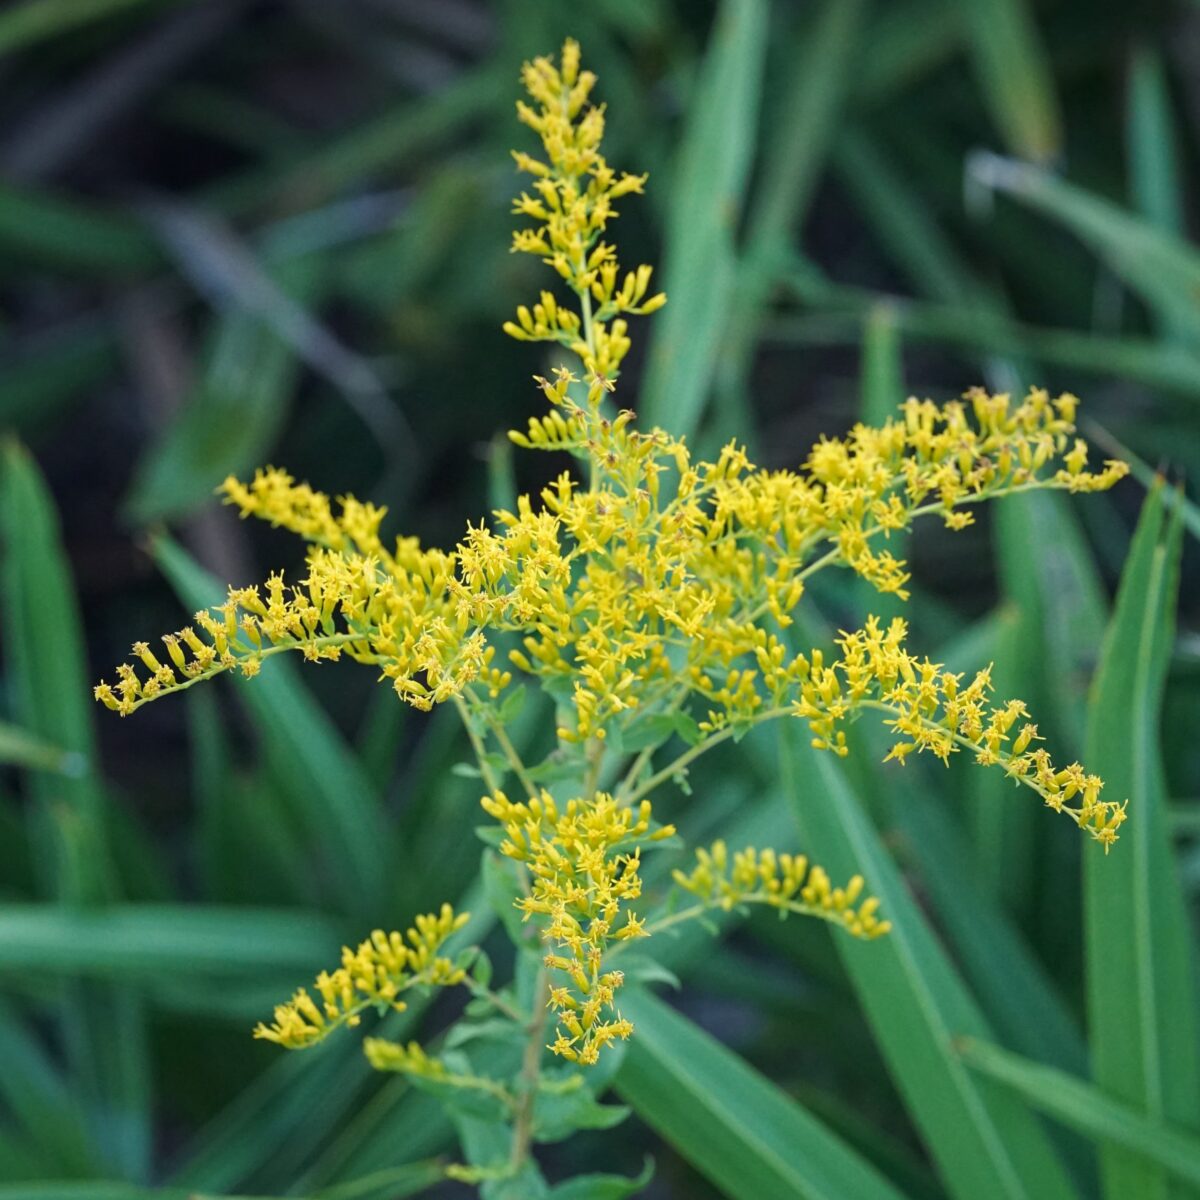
1089,1110
735,1127
322,776
1155,185
708,187
42,227
102,1028
1140,967
881,373
32,21
23,749
1163,269
985,1144
603,1187
153,939
231,419
1014,71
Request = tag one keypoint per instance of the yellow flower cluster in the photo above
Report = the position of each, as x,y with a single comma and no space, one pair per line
647,587
373,975
390,608
783,881
583,860
574,192
405,1060
932,710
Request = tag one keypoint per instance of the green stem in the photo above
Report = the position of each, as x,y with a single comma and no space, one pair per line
693,752
531,1070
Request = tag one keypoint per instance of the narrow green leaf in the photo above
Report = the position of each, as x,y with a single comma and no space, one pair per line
24,749
46,228
1089,1110
324,779
102,1028
730,1123
1013,68
710,180
1154,183
1147,476
881,370
820,58
151,939
603,1187
1163,269
32,21
984,1143
1140,967
839,313
231,419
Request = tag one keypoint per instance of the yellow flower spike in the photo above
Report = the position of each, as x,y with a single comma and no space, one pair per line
927,707
373,974
576,190
753,877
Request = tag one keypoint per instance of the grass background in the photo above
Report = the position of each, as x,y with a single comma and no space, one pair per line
236,233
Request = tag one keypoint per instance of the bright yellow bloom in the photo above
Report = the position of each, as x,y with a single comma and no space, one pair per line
583,860
574,189
932,711
374,975
642,587
782,881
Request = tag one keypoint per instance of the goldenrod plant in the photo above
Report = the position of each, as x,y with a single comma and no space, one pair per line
653,598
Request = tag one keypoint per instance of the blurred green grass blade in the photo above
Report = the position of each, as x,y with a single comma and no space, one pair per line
1013,69
900,219
1019,999
393,1184
381,736
37,1097
102,1028
729,1122
1155,185
1140,967
1147,476
227,426
148,939
984,1143
708,187
339,803
47,229
1162,268
1089,1110
20,748
819,57
806,119
385,144
31,21
905,42
839,312
37,378
1048,572
881,366
51,698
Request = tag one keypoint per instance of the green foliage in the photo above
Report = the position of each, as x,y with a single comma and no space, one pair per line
158,893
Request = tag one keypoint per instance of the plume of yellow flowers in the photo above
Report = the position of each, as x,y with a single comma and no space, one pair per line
583,860
575,189
651,595
781,881
375,975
